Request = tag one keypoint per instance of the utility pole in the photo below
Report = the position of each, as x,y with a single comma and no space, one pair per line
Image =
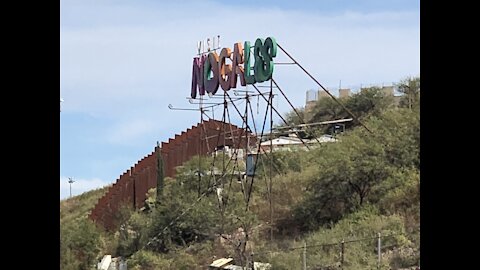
70,181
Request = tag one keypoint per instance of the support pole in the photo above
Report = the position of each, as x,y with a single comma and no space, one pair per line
305,255
271,163
280,116
379,247
326,91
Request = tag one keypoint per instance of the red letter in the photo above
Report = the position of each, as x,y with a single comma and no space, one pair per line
225,70
237,69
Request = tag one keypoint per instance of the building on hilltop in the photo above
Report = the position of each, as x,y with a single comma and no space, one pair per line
289,143
312,96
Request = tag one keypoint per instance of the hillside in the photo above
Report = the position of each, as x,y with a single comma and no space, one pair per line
329,208
79,206
79,238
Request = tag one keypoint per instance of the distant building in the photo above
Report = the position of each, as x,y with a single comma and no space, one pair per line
284,143
387,90
230,151
280,143
322,94
344,93
314,96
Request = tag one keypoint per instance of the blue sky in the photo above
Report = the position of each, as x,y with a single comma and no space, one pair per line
123,62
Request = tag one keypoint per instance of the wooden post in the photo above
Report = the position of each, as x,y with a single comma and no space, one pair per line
379,250
305,255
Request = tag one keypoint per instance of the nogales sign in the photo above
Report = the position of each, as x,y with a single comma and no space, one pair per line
212,70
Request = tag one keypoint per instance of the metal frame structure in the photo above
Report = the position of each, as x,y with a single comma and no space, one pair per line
247,183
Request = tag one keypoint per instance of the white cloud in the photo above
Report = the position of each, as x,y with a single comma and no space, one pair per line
79,186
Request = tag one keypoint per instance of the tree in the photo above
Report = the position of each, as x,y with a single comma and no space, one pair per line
292,117
79,244
327,109
188,211
410,88
132,232
369,101
350,171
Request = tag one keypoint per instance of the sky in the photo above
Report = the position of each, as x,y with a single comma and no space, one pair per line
123,62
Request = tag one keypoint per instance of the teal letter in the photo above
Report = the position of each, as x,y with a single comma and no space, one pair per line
269,51
259,66
264,53
249,79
